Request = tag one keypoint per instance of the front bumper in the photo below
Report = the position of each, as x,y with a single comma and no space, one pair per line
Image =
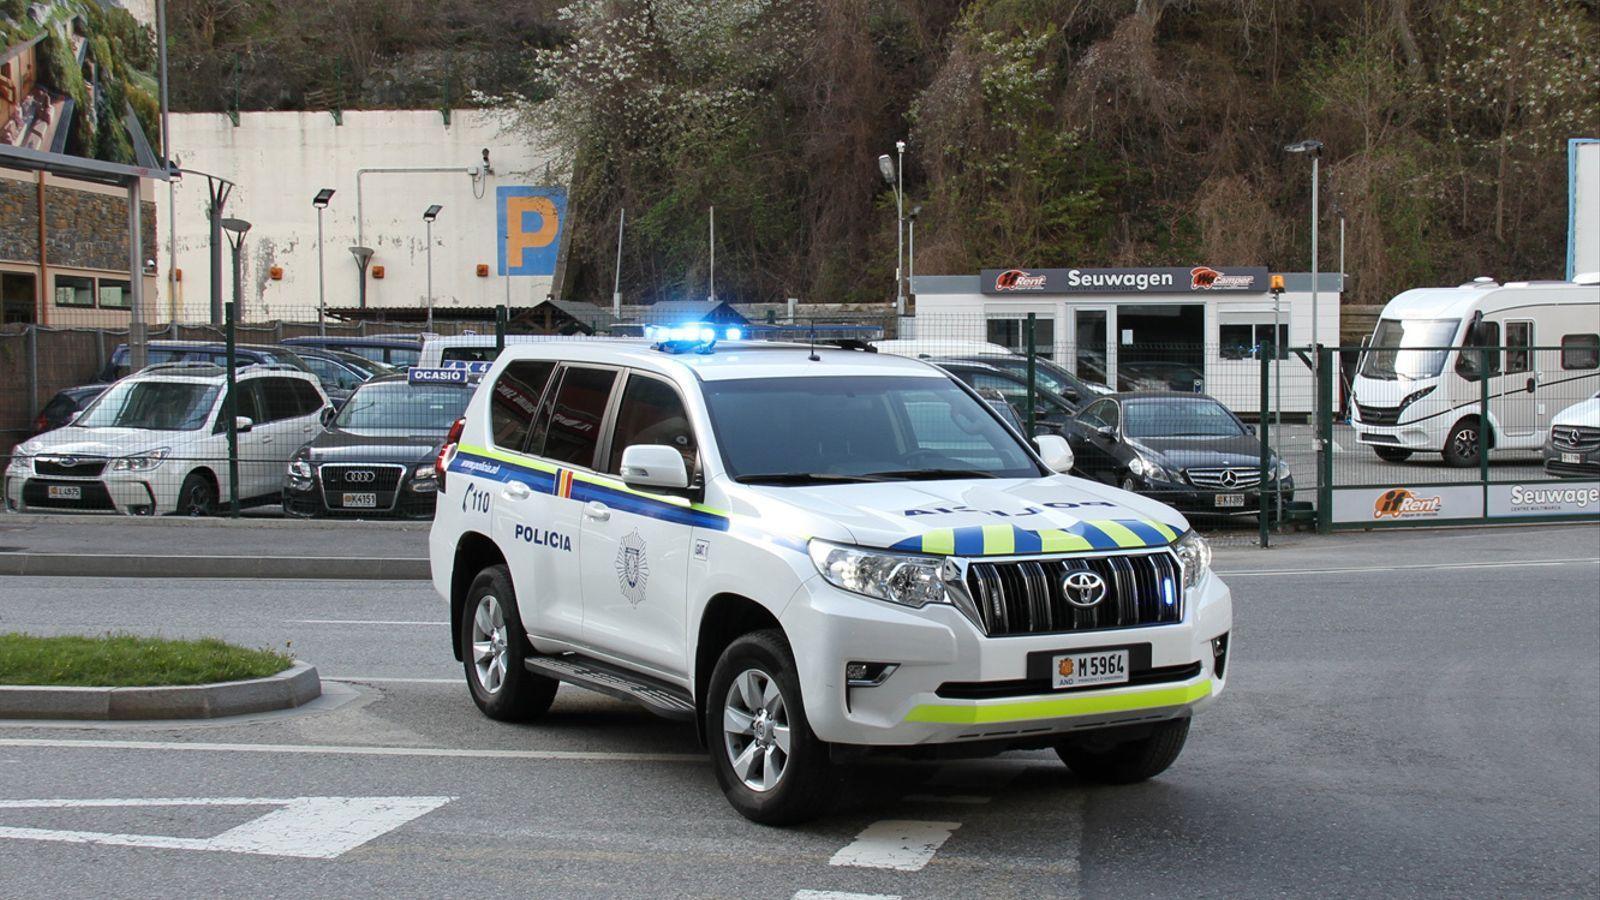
1203,501
323,496
1571,463
953,684
143,493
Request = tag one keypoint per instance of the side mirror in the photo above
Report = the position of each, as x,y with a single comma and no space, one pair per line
328,415
1106,431
1055,452
654,466
241,424
1249,429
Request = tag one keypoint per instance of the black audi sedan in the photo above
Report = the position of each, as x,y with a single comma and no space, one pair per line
376,456
1186,450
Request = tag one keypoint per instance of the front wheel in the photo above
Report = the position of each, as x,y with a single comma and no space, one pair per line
1461,446
1110,761
1392,454
197,496
493,649
769,764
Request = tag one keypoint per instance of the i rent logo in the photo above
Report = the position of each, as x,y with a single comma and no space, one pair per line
1402,503
530,220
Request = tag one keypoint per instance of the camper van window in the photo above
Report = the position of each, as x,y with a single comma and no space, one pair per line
1519,337
1409,348
1580,351
1467,362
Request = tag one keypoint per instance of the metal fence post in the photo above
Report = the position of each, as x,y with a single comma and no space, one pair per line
1033,321
1261,494
232,412
499,329
33,373
1483,420
1324,406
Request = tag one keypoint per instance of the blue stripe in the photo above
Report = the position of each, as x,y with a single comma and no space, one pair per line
1027,541
583,491
1150,536
969,541
909,545
1097,539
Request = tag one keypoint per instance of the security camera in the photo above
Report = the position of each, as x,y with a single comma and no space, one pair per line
487,169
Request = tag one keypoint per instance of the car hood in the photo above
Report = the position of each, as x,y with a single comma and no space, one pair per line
374,446
968,517
1205,452
1586,413
110,442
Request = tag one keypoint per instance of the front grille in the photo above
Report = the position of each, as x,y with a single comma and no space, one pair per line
1027,596
1224,479
94,496
56,466
1379,415
1575,438
381,479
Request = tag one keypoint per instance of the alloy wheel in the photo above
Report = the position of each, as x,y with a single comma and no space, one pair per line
489,644
755,730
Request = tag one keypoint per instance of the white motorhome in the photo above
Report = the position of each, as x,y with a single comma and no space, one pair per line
1418,387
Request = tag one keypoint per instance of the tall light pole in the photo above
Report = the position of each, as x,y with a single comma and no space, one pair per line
712,282
616,279
911,245
166,164
894,175
1312,148
320,201
236,229
363,256
428,215
1338,210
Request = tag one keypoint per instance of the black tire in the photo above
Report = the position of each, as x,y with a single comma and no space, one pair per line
1461,444
515,695
1125,762
801,788
197,496
1392,454
1129,485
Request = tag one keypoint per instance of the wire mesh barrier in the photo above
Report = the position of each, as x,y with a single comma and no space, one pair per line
293,418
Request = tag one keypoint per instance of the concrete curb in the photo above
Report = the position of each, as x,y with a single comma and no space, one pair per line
294,686
110,565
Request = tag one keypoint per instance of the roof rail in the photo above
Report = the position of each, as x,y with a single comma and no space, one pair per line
181,364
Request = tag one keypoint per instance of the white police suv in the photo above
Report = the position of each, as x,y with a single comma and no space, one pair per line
813,554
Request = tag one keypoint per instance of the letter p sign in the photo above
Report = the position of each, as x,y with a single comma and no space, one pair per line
530,221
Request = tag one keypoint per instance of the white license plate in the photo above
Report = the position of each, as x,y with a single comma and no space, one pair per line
1234,500
360,501
65,492
1083,669
1572,459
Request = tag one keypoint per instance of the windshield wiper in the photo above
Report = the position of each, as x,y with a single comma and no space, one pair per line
931,474
805,478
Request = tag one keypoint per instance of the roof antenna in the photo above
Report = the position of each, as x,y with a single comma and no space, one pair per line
812,336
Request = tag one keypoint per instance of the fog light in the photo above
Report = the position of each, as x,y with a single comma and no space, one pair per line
868,674
1219,654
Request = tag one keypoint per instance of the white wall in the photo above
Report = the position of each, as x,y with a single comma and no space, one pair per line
278,162
1583,252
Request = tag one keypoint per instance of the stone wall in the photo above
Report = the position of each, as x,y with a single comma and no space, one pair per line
84,229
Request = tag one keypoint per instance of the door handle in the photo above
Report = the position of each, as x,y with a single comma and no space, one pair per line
597,511
266,439
516,490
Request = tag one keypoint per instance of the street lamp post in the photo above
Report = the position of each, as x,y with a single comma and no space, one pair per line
1338,210
1312,148
363,256
428,216
911,245
320,201
894,175
236,229
616,278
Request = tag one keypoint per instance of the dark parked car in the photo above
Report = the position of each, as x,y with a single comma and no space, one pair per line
1049,375
395,350
1186,450
1050,410
64,405
376,456
340,372
210,352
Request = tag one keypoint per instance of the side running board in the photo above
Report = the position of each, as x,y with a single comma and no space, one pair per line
666,700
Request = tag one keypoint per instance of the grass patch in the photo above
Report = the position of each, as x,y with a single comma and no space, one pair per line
125,660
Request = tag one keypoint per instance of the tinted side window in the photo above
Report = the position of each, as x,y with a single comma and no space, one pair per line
468,354
652,413
307,396
515,401
1519,337
572,425
402,356
249,404
279,399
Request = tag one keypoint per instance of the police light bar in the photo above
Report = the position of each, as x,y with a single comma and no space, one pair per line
699,337
443,375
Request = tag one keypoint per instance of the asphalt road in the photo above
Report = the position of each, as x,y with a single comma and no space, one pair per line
1408,714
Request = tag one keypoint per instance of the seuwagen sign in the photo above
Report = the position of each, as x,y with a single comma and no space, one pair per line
1161,280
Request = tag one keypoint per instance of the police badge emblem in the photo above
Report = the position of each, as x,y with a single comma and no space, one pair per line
632,569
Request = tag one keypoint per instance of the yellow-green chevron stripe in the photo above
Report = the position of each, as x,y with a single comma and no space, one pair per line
1057,707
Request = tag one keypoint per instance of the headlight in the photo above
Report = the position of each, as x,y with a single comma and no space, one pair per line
140,462
423,472
300,467
1195,554
913,581
1416,395
1152,471
424,479
1280,471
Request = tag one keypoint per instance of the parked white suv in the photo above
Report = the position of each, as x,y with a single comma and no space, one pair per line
813,555
157,442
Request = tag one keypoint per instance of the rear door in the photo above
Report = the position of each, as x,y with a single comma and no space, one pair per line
1518,405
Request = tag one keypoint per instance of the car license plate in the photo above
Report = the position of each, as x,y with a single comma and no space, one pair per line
361,501
1572,459
1234,500
65,492
1084,669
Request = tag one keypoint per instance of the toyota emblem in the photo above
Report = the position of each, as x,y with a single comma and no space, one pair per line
1083,588
360,476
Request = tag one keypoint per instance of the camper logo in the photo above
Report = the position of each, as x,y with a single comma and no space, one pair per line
1205,278
1404,503
1018,280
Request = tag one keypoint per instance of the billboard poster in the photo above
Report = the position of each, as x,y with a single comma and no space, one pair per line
1414,503
530,222
1153,280
1545,498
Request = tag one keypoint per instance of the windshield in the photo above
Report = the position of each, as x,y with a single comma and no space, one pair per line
397,406
1392,355
822,429
1179,417
158,405
367,367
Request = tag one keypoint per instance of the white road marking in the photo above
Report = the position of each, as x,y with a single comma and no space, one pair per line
354,750
967,799
1517,564
359,622
841,895
386,680
304,827
895,844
